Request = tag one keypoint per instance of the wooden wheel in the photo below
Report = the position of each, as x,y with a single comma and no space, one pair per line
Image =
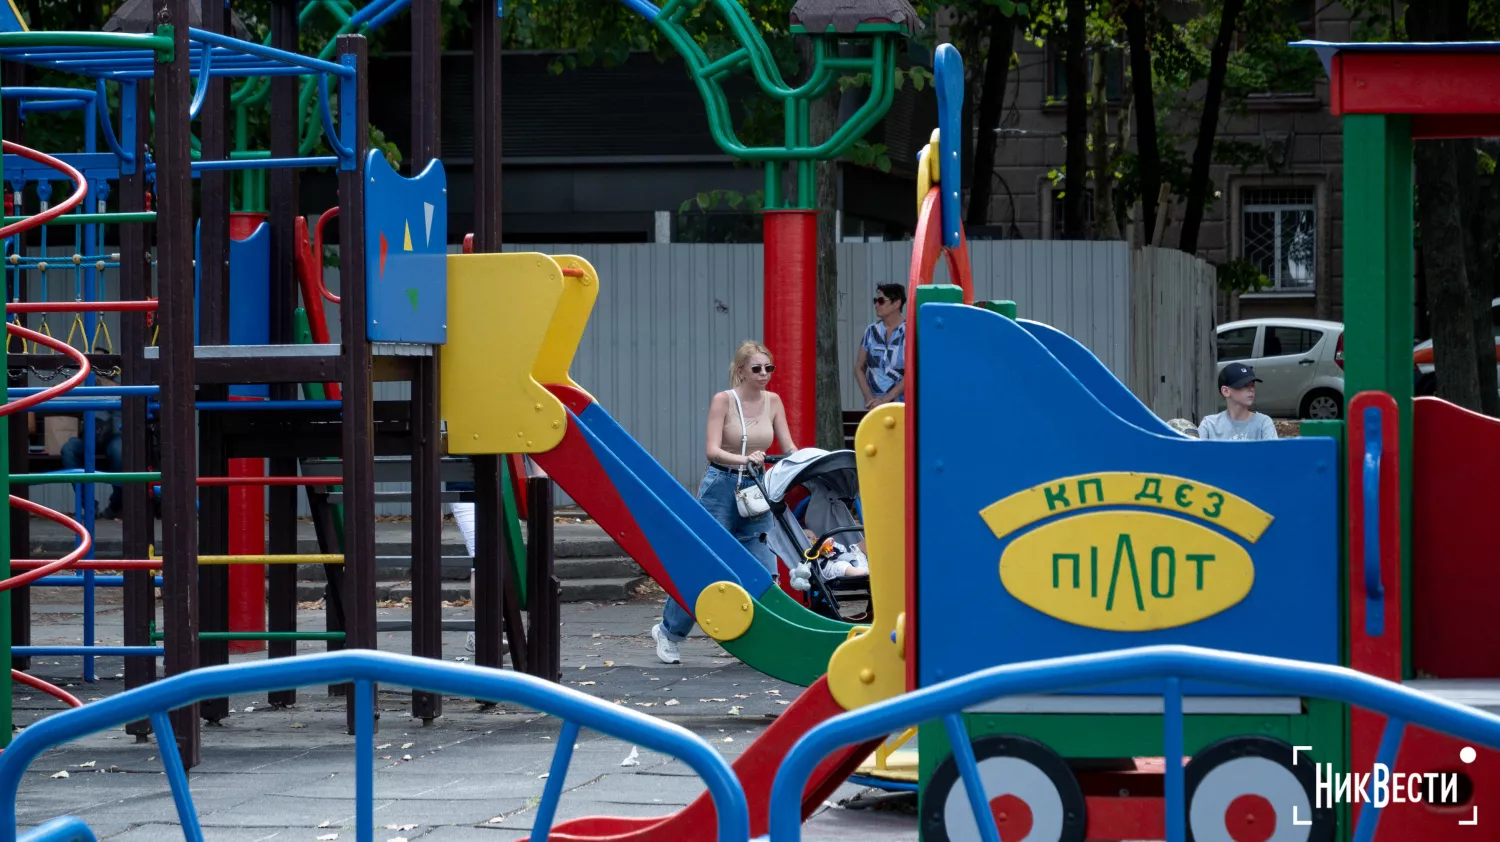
1245,789
1031,792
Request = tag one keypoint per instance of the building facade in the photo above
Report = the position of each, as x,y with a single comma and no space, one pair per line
1285,216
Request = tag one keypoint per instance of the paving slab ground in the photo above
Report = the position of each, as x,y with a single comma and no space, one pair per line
475,773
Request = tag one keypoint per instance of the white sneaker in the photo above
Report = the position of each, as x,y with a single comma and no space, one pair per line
666,650
469,644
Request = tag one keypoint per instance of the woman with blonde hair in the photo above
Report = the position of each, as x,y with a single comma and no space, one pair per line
742,423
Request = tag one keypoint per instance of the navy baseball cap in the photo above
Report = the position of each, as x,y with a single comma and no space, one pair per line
1238,376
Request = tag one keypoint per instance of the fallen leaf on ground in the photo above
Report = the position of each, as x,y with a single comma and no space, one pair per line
713,700
609,663
735,711
88,765
631,759
62,774
328,837
405,746
382,746
670,702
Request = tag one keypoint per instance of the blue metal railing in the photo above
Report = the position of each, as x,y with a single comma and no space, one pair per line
365,669
946,702
66,829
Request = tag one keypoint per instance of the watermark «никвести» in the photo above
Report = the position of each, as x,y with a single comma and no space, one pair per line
1381,787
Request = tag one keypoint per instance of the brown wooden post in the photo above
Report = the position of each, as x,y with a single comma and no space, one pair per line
137,516
545,636
357,373
282,204
213,329
426,499
173,92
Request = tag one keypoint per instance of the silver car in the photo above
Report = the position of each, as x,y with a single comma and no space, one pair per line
1299,361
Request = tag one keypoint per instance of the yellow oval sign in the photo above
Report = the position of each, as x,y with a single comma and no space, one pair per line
1126,571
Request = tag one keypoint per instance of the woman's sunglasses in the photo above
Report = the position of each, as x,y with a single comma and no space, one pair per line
880,300
757,369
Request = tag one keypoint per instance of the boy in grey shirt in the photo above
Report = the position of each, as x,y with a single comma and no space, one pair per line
1239,422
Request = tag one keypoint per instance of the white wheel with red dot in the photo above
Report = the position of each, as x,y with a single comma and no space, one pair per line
1245,789
1029,789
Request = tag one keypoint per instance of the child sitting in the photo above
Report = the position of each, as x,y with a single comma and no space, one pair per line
835,561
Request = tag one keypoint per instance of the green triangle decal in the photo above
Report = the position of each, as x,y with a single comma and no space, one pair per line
412,295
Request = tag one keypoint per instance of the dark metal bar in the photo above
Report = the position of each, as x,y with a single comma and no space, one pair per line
282,204
213,321
325,526
544,636
488,515
138,519
173,90
489,548
426,501
359,451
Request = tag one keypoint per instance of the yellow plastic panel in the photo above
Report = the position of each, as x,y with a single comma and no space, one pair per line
869,667
573,311
499,310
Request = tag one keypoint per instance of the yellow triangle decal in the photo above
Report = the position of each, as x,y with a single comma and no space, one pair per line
407,245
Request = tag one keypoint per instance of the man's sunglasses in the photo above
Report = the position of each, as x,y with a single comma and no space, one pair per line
757,369
880,300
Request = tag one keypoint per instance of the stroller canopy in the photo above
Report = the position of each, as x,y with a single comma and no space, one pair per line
835,468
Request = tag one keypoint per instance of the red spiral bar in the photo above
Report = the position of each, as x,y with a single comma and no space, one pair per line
49,689
81,189
52,391
52,566
95,564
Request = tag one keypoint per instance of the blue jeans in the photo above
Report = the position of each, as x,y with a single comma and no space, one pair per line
716,493
72,459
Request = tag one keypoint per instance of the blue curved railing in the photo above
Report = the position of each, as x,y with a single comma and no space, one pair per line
364,669
946,701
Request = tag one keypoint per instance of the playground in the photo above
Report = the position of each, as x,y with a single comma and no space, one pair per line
1117,632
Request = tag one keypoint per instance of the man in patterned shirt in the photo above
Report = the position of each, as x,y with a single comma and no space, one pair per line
880,368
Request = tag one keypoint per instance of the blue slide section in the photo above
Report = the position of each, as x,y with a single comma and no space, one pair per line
726,549
1051,429
1098,379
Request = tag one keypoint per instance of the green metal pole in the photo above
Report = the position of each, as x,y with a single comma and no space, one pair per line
1379,293
7,719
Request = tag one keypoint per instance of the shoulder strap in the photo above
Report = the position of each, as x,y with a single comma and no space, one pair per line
744,435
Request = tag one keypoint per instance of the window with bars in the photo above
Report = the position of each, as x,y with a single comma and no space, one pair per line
1279,234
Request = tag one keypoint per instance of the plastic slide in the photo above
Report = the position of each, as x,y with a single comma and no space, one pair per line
668,532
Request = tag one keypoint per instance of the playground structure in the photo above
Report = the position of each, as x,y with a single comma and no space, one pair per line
227,341
1117,540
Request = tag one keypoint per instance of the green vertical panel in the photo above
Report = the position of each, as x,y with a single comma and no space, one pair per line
1379,295
512,514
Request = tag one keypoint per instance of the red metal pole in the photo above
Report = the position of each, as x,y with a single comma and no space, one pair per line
790,315
247,536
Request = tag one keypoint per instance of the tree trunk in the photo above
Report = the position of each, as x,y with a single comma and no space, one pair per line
1459,223
1440,213
1481,220
1149,155
1075,185
1105,226
1002,28
1203,152
822,114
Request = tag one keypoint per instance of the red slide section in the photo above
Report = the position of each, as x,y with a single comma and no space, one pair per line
1455,460
756,770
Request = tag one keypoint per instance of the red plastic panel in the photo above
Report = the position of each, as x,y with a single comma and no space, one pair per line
1376,654
1424,751
1455,569
1415,83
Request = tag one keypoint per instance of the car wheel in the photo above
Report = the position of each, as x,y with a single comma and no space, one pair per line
1323,405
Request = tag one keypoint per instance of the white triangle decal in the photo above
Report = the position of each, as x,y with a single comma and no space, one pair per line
428,207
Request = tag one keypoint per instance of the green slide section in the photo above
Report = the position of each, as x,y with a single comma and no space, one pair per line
780,647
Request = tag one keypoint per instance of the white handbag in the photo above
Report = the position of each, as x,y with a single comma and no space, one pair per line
750,501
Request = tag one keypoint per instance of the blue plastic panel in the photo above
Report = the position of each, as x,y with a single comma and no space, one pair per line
1001,416
406,262
1098,379
249,294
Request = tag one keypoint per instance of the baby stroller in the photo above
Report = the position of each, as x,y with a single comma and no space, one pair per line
829,564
